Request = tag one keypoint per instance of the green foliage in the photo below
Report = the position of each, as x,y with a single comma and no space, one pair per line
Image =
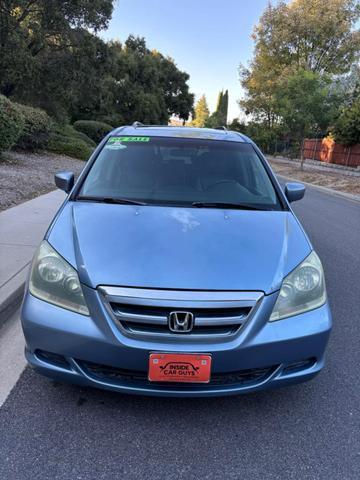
219,101
51,58
11,123
37,31
305,104
201,113
35,134
144,85
66,140
224,108
71,146
69,131
310,35
237,126
219,117
95,130
347,127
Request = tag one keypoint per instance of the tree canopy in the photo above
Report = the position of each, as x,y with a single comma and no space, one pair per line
298,76
51,57
305,104
303,34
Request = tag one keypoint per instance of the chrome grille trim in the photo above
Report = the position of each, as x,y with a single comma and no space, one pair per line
206,327
181,295
135,318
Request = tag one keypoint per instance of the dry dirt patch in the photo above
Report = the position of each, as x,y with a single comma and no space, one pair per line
24,176
336,181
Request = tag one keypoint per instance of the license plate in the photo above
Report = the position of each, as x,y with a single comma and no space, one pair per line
179,367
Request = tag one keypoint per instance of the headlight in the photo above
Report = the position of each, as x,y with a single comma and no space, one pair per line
52,279
302,290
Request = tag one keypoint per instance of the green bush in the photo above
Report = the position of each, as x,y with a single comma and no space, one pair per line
71,146
11,123
35,134
95,130
69,131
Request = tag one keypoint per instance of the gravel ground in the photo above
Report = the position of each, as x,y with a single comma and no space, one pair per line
24,176
336,181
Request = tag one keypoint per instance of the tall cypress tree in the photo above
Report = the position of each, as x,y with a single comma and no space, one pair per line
219,117
224,107
219,101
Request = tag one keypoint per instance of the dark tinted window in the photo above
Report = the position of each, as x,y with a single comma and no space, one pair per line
180,171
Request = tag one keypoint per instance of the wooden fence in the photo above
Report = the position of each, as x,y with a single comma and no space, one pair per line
326,150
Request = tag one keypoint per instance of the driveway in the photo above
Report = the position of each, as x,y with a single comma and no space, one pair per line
310,431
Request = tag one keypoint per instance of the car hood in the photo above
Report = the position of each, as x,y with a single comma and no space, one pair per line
178,248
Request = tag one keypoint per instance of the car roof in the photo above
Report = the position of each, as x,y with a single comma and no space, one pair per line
184,132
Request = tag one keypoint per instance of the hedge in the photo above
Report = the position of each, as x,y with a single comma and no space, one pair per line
69,131
35,134
74,147
11,123
95,130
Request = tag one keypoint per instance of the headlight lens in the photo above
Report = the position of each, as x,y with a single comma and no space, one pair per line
302,290
52,279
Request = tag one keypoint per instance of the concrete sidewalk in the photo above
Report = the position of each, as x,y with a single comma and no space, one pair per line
21,229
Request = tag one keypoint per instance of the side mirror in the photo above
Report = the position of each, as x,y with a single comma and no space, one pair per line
64,181
294,191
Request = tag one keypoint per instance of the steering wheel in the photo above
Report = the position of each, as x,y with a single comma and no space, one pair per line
220,182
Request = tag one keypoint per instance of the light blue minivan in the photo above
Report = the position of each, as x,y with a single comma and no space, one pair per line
176,267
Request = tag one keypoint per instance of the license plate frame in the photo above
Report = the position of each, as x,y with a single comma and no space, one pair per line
179,367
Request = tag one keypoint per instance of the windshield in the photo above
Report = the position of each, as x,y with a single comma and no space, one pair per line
180,171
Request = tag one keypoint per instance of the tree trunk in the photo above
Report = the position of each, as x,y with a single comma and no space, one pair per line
302,155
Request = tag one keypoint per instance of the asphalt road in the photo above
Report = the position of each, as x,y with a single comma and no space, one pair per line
310,431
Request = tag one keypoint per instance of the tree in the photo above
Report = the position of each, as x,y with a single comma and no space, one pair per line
305,104
219,117
223,109
29,28
347,127
237,126
201,113
348,85
51,57
313,35
219,101
146,86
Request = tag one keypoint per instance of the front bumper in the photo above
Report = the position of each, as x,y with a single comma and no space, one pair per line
70,347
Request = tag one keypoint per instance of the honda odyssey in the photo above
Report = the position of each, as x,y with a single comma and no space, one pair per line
176,267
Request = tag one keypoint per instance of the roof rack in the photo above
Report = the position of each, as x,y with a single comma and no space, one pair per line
142,125
221,127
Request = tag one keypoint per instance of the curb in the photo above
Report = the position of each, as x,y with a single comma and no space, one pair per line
11,294
330,191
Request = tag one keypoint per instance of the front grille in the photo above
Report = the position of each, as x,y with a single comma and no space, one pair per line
145,312
118,375
145,319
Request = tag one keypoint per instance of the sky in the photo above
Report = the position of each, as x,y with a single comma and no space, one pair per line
206,38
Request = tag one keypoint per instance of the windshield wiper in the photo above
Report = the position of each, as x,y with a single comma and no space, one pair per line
121,201
235,206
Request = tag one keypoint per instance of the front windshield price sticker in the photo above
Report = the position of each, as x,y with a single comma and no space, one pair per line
114,140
